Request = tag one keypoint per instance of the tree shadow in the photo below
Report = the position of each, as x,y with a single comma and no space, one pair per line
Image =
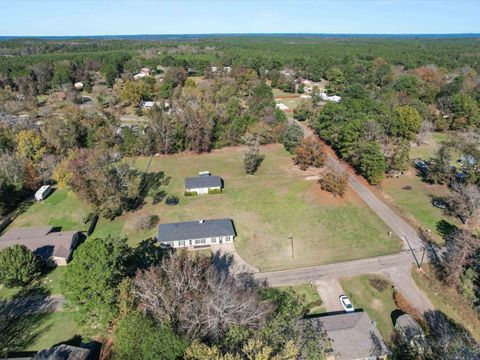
22,321
445,229
152,184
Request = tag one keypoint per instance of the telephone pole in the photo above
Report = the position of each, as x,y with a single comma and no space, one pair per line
290,237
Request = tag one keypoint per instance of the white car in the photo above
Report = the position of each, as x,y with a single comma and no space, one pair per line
347,305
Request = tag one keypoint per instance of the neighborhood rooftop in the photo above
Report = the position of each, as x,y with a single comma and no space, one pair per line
195,230
43,240
353,336
203,182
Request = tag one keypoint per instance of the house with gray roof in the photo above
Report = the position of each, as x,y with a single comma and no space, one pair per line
199,233
353,336
55,247
203,183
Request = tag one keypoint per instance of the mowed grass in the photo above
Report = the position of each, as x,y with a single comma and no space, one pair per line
267,207
416,203
378,304
61,209
447,300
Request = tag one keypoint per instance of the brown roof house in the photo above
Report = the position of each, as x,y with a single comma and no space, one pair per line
55,247
353,336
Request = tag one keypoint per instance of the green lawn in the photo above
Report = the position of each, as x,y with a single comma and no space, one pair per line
378,304
432,144
447,300
61,208
417,202
50,284
311,299
267,207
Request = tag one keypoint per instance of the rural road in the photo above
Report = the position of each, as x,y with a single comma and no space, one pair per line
396,267
399,226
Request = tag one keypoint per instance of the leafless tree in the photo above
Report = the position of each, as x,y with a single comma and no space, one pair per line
197,299
460,250
425,130
466,201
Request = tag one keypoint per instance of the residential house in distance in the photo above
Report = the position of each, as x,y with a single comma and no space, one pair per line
353,336
143,72
203,183
201,233
55,247
281,106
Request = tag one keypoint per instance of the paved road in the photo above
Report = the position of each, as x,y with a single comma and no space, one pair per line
330,291
399,226
396,267
32,304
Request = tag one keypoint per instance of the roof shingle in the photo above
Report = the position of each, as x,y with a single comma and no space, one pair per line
195,230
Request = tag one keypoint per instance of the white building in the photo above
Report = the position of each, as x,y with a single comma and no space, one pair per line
43,192
199,233
203,183
281,106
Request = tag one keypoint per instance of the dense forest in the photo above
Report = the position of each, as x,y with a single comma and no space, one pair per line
74,111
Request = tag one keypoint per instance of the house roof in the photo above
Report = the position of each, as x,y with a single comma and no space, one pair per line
203,182
42,240
63,352
195,230
352,335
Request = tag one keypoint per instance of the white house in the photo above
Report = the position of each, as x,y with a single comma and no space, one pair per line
334,98
203,183
199,233
281,106
43,192
149,104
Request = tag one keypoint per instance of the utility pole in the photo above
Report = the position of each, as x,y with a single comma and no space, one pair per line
290,237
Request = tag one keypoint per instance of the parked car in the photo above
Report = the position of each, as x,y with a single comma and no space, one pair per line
439,204
346,304
420,164
43,192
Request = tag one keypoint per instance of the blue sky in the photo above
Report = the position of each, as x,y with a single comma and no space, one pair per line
105,17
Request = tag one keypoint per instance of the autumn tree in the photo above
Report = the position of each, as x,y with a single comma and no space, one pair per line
334,181
30,145
65,132
461,249
466,201
196,299
309,153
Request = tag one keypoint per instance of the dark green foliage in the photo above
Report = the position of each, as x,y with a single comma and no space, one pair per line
292,137
91,279
19,266
408,84
137,337
371,162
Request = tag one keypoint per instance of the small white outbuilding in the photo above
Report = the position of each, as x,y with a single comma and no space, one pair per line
43,192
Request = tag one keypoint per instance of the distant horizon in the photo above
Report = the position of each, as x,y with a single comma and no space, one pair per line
49,18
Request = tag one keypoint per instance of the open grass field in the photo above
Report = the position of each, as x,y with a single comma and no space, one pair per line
311,299
377,302
416,203
267,207
447,300
432,144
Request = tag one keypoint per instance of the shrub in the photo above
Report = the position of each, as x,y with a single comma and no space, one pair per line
335,182
309,153
214,191
171,200
190,193
19,266
252,159
146,222
292,137
402,303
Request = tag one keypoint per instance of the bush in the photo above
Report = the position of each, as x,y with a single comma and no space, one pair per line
292,137
19,266
190,193
171,200
335,182
214,191
309,153
146,222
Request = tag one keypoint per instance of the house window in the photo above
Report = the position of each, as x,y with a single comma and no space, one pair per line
200,241
181,243
214,240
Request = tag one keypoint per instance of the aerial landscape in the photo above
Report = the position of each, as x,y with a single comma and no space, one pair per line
239,180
